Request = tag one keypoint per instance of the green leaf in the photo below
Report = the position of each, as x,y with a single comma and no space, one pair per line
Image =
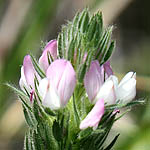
109,51
85,133
45,131
17,91
57,132
91,28
30,118
104,43
112,143
37,67
81,72
71,51
76,114
60,46
50,112
83,20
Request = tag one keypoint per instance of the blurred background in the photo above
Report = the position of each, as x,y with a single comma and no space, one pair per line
25,23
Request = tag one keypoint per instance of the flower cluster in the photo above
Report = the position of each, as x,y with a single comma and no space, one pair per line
60,80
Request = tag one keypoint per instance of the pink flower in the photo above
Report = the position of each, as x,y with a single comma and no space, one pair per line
109,90
94,116
94,79
58,86
51,47
28,74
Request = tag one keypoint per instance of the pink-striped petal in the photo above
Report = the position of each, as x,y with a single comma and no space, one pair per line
51,47
94,116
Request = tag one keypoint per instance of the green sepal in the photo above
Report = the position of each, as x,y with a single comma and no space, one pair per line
37,67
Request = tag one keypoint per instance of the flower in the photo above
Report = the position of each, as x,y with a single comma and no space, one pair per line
58,86
94,79
51,47
109,90
94,116
28,74
123,92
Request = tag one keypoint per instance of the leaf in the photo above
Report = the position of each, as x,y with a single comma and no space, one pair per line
76,114
85,133
60,46
57,132
71,51
49,112
37,67
30,118
123,105
112,143
109,51
18,92
83,20
104,43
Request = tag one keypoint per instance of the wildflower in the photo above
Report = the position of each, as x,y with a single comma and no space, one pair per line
108,90
58,86
94,79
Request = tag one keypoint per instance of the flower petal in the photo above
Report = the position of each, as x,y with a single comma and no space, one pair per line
94,79
127,77
62,76
29,71
126,91
107,92
108,69
22,81
49,95
52,48
42,88
94,116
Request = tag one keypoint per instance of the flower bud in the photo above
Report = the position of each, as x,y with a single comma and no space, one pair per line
51,47
59,85
94,116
